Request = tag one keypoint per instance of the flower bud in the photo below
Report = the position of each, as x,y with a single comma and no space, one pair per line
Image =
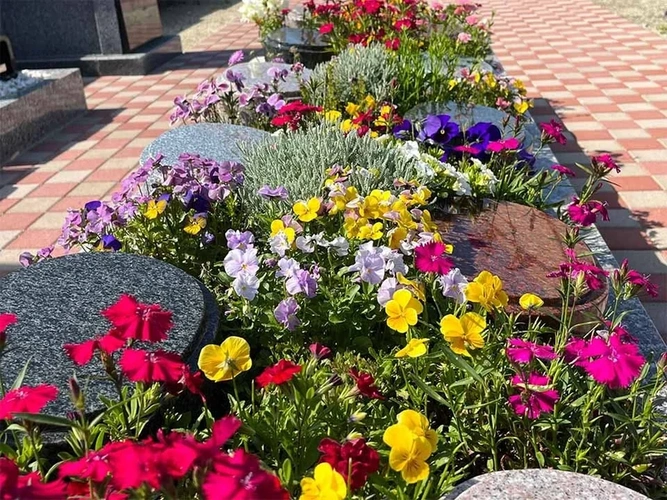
76,395
353,435
319,351
357,416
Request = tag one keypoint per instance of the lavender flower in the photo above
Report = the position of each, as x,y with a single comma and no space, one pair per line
277,74
302,282
235,58
246,285
237,240
386,291
453,285
285,313
340,246
288,268
109,242
26,258
238,261
207,238
270,193
369,263
279,244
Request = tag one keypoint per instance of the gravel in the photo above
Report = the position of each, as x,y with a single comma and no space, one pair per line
196,20
649,13
25,79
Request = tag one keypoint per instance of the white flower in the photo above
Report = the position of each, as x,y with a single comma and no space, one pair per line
246,285
410,149
340,246
453,285
279,244
393,261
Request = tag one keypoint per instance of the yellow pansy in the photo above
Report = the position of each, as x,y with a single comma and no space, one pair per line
421,196
326,484
346,126
409,451
518,84
352,109
155,208
418,425
369,231
370,207
351,227
405,220
369,101
225,361
427,221
414,349
487,290
453,83
307,210
491,81
385,110
278,226
396,236
402,311
521,107
332,116
343,202
195,224
464,333
530,301
416,288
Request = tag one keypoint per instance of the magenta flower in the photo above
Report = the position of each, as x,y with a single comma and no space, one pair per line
235,58
575,351
563,170
535,398
430,258
553,131
524,351
586,214
593,276
637,281
510,144
615,361
606,161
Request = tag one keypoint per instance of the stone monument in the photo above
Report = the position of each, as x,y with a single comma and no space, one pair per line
7,61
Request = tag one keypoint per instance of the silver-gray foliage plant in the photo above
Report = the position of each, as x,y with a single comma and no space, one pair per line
298,160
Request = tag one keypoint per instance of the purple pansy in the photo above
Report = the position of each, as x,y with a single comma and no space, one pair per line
285,313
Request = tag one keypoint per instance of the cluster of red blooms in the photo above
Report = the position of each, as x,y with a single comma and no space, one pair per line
278,374
292,114
354,460
365,384
365,21
133,321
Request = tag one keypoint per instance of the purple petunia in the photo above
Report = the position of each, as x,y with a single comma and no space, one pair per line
235,58
285,313
238,261
269,193
302,282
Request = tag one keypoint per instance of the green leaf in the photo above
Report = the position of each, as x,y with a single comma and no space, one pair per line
462,364
428,389
40,418
19,378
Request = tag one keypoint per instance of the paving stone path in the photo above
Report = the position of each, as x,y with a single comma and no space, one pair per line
604,77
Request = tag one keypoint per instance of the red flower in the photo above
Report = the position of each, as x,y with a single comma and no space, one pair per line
430,258
131,465
319,351
326,28
553,131
571,270
134,320
26,400
221,432
606,161
586,214
93,466
354,457
14,486
563,170
278,374
292,113
82,353
365,384
6,320
146,366
535,398
393,43
240,477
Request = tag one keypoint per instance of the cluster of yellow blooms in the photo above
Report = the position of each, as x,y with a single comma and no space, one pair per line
326,483
412,442
364,117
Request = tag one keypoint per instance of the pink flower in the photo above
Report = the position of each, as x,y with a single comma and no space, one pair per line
26,400
606,161
326,28
553,131
430,258
222,431
145,366
14,486
593,276
586,214
524,351
365,384
6,320
464,37
615,362
535,398
503,145
563,170
134,320
319,351
502,103
472,20
575,351
467,149
82,353
637,281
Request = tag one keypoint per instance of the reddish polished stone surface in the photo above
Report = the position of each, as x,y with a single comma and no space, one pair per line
521,245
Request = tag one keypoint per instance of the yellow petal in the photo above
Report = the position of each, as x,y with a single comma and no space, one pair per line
472,323
410,316
474,292
530,301
475,340
458,346
314,205
397,435
450,327
402,297
300,208
414,349
277,226
398,324
415,471
413,420
416,305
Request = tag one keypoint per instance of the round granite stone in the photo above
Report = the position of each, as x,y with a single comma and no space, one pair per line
467,116
256,72
59,301
215,141
521,245
540,484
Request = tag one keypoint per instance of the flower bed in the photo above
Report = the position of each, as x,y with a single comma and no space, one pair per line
357,359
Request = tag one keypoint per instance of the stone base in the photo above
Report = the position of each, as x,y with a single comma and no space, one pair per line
141,62
42,109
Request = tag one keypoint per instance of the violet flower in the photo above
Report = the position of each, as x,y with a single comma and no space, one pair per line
285,313
270,193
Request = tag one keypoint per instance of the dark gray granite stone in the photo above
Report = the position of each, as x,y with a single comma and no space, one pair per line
41,109
540,484
256,71
59,301
217,141
140,22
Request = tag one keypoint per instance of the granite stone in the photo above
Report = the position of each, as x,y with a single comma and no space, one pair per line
58,301
7,60
466,116
140,22
256,71
540,484
217,141
39,110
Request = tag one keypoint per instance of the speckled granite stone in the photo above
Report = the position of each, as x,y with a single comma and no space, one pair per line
217,141
39,110
468,116
256,70
59,301
540,484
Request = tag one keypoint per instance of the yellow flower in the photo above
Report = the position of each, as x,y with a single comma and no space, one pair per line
368,231
345,201
326,484
408,453
418,425
155,208
385,110
225,361
414,349
416,288
521,107
487,290
332,116
464,333
352,109
453,83
402,311
351,227
519,85
396,236
405,220
421,196
278,226
195,225
491,81
369,101
530,301
307,211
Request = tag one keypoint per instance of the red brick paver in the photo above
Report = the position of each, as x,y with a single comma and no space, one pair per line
601,75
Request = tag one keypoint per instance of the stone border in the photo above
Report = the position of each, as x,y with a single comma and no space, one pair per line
41,109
